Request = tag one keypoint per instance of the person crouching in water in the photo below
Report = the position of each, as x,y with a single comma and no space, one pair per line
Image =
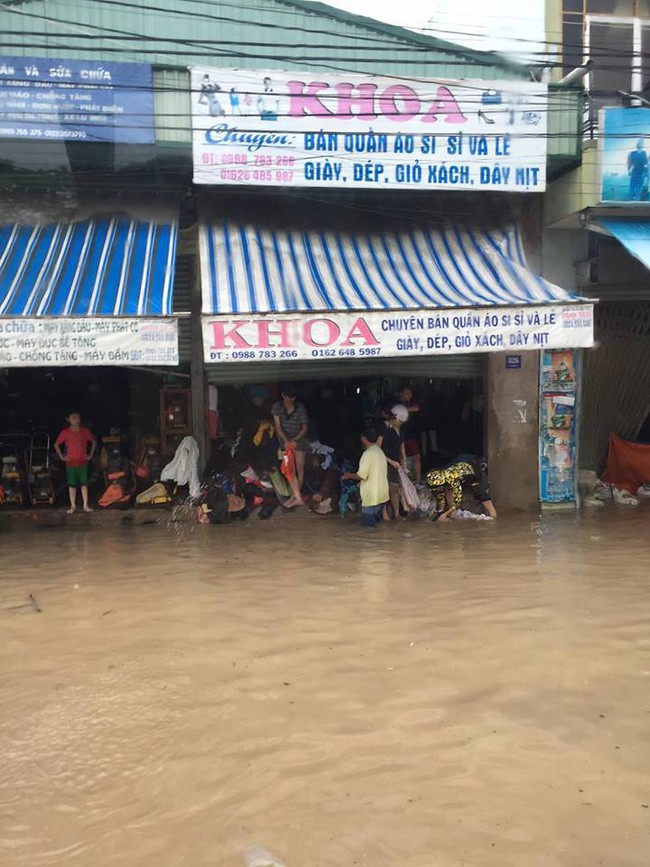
373,475
467,471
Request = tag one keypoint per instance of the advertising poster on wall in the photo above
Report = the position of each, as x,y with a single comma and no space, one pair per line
558,425
558,372
76,100
625,154
300,129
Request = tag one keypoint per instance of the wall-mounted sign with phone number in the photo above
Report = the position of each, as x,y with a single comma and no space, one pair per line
325,335
324,129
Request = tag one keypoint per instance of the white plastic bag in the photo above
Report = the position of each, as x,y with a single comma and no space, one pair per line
624,498
259,857
410,496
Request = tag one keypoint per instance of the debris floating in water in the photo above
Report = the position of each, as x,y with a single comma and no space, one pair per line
34,603
258,857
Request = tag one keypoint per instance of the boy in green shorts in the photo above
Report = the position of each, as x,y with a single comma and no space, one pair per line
76,440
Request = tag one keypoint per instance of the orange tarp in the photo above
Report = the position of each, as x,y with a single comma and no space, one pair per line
628,464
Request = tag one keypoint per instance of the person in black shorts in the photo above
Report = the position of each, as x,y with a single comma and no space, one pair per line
410,430
391,442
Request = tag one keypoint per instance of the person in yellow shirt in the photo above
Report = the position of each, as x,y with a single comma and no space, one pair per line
373,475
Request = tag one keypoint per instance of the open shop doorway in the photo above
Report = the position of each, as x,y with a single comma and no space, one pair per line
122,408
449,420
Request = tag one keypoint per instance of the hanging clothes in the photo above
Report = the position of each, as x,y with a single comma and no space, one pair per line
184,466
265,428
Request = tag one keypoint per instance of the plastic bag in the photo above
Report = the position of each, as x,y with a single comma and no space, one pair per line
410,496
259,857
288,464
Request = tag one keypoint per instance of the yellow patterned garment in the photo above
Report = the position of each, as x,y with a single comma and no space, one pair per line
450,480
266,428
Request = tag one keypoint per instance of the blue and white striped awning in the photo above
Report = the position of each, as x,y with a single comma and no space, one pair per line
249,269
113,266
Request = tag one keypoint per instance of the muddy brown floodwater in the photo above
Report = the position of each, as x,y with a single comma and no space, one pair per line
415,696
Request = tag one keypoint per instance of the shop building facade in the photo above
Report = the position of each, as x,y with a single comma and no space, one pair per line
330,251
597,216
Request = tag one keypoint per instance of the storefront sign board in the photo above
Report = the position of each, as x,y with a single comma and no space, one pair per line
304,129
88,342
76,100
386,334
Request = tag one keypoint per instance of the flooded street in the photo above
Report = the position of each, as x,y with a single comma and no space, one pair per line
416,696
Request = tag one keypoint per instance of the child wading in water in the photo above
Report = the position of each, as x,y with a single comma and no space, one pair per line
76,440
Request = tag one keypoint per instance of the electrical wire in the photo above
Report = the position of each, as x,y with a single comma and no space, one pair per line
452,49
127,35
368,23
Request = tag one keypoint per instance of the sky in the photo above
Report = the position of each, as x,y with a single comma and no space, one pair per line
505,29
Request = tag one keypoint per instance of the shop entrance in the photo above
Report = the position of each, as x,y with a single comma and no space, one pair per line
344,398
138,414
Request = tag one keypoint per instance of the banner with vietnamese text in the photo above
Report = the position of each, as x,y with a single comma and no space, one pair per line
387,334
302,129
88,342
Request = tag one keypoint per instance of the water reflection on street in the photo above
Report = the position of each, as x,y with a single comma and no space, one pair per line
416,696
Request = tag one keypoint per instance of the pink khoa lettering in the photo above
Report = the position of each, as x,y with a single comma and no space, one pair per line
361,98
444,104
221,336
399,102
333,332
303,99
266,332
360,331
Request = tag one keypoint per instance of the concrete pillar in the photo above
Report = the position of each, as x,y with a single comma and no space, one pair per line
513,430
197,372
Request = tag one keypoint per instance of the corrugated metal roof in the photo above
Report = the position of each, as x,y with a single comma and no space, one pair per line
294,35
402,34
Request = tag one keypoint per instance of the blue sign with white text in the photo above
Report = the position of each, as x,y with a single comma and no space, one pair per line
76,100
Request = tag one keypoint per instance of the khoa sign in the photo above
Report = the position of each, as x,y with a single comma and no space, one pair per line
385,334
340,130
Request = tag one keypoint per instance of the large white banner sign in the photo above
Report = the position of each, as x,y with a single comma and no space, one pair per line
306,129
387,334
88,342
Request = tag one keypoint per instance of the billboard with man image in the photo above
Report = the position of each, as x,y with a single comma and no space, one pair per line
625,154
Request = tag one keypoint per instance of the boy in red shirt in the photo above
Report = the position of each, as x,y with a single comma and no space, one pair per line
76,440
